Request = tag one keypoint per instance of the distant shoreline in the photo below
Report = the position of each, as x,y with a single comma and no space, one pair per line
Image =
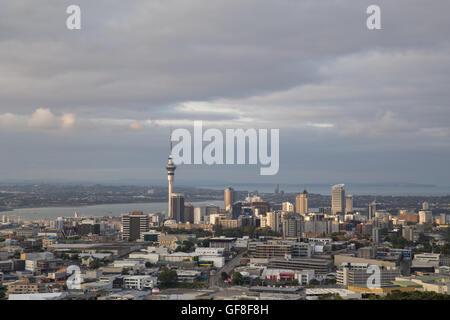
65,206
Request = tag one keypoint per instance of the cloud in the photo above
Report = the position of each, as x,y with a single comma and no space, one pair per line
68,120
139,68
42,119
136,126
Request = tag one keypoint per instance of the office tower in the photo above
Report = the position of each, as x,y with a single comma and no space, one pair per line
170,167
262,206
134,224
337,199
236,209
376,235
406,216
199,215
301,203
348,203
372,209
59,223
188,213
277,189
273,220
443,219
229,198
292,226
408,233
88,226
287,207
3,219
425,206
244,221
425,216
177,205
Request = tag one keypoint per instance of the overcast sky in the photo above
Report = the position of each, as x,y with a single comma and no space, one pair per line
352,105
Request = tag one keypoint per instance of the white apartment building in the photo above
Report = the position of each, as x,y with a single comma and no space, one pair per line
139,282
287,207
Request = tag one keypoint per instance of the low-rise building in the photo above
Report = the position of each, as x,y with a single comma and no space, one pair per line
357,275
188,275
139,282
302,276
320,266
25,286
222,242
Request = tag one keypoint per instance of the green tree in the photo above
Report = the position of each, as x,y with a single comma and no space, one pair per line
94,264
167,276
237,278
314,282
224,276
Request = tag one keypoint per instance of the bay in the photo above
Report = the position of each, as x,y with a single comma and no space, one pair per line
96,210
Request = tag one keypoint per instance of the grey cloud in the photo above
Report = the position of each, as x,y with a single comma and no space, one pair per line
310,68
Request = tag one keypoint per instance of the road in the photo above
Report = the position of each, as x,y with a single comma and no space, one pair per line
216,280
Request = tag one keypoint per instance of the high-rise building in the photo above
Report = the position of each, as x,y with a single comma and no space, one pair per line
134,224
188,213
287,207
292,226
170,167
443,219
405,215
199,215
261,207
236,209
425,216
408,233
229,198
59,223
273,220
425,206
348,203
177,205
376,235
337,199
372,209
301,203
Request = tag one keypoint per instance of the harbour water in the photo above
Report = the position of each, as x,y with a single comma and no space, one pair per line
97,210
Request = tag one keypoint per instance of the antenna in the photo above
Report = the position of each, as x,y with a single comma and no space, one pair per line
170,142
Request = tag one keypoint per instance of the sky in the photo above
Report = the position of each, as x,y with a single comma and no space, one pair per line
352,105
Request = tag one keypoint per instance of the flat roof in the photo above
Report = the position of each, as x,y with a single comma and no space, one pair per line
276,289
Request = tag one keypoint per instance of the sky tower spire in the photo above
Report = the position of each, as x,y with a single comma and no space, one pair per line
170,167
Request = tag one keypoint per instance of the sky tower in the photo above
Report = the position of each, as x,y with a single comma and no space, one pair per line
170,176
